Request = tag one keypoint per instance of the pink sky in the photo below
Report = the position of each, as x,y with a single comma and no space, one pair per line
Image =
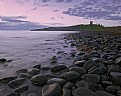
43,14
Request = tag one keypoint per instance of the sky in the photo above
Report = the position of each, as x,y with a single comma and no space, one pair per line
32,14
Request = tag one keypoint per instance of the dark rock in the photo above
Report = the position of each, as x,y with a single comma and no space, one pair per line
3,60
81,91
17,82
39,79
116,77
94,78
61,82
66,92
118,60
7,79
45,68
103,93
113,89
51,90
21,89
106,83
70,76
80,63
21,71
89,64
68,85
33,71
80,70
12,94
23,75
113,69
37,66
50,76
81,83
58,68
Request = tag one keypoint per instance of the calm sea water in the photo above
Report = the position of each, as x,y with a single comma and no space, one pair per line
28,48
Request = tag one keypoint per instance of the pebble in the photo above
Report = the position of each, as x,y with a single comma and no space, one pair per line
94,78
70,76
103,93
16,82
39,79
33,71
51,90
58,68
89,64
7,79
21,89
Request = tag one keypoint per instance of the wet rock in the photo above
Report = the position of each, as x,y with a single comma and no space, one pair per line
62,72
50,76
51,90
81,91
3,60
33,71
81,83
113,89
21,89
12,94
103,93
113,69
32,94
37,66
39,79
45,68
106,83
23,75
17,82
54,59
89,64
68,85
58,68
7,79
116,77
80,70
21,71
77,58
61,82
70,76
66,92
94,78
118,60
80,63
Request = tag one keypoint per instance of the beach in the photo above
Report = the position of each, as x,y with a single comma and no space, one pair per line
60,63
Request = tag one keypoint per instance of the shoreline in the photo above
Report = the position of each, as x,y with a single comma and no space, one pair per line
94,70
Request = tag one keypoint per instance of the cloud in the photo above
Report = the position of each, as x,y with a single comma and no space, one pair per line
13,23
95,9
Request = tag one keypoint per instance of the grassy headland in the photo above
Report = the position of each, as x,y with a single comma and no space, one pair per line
89,27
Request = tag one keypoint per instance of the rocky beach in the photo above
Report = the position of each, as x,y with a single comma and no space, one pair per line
88,65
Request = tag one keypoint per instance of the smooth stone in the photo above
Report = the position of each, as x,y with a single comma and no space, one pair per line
116,77
58,68
23,75
89,64
62,72
118,60
80,70
81,83
113,69
7,79
53,59
104,77
77,58
3,60
39,79
106,83
61,82
16,82
32,94
113,89
68,85
51,90
21,89
81,91
33,71
93,78
80,63
45,68
50,76
66,92
103,93
70,76
12,94
21,71
37,66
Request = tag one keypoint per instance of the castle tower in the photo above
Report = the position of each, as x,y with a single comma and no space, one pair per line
91,22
